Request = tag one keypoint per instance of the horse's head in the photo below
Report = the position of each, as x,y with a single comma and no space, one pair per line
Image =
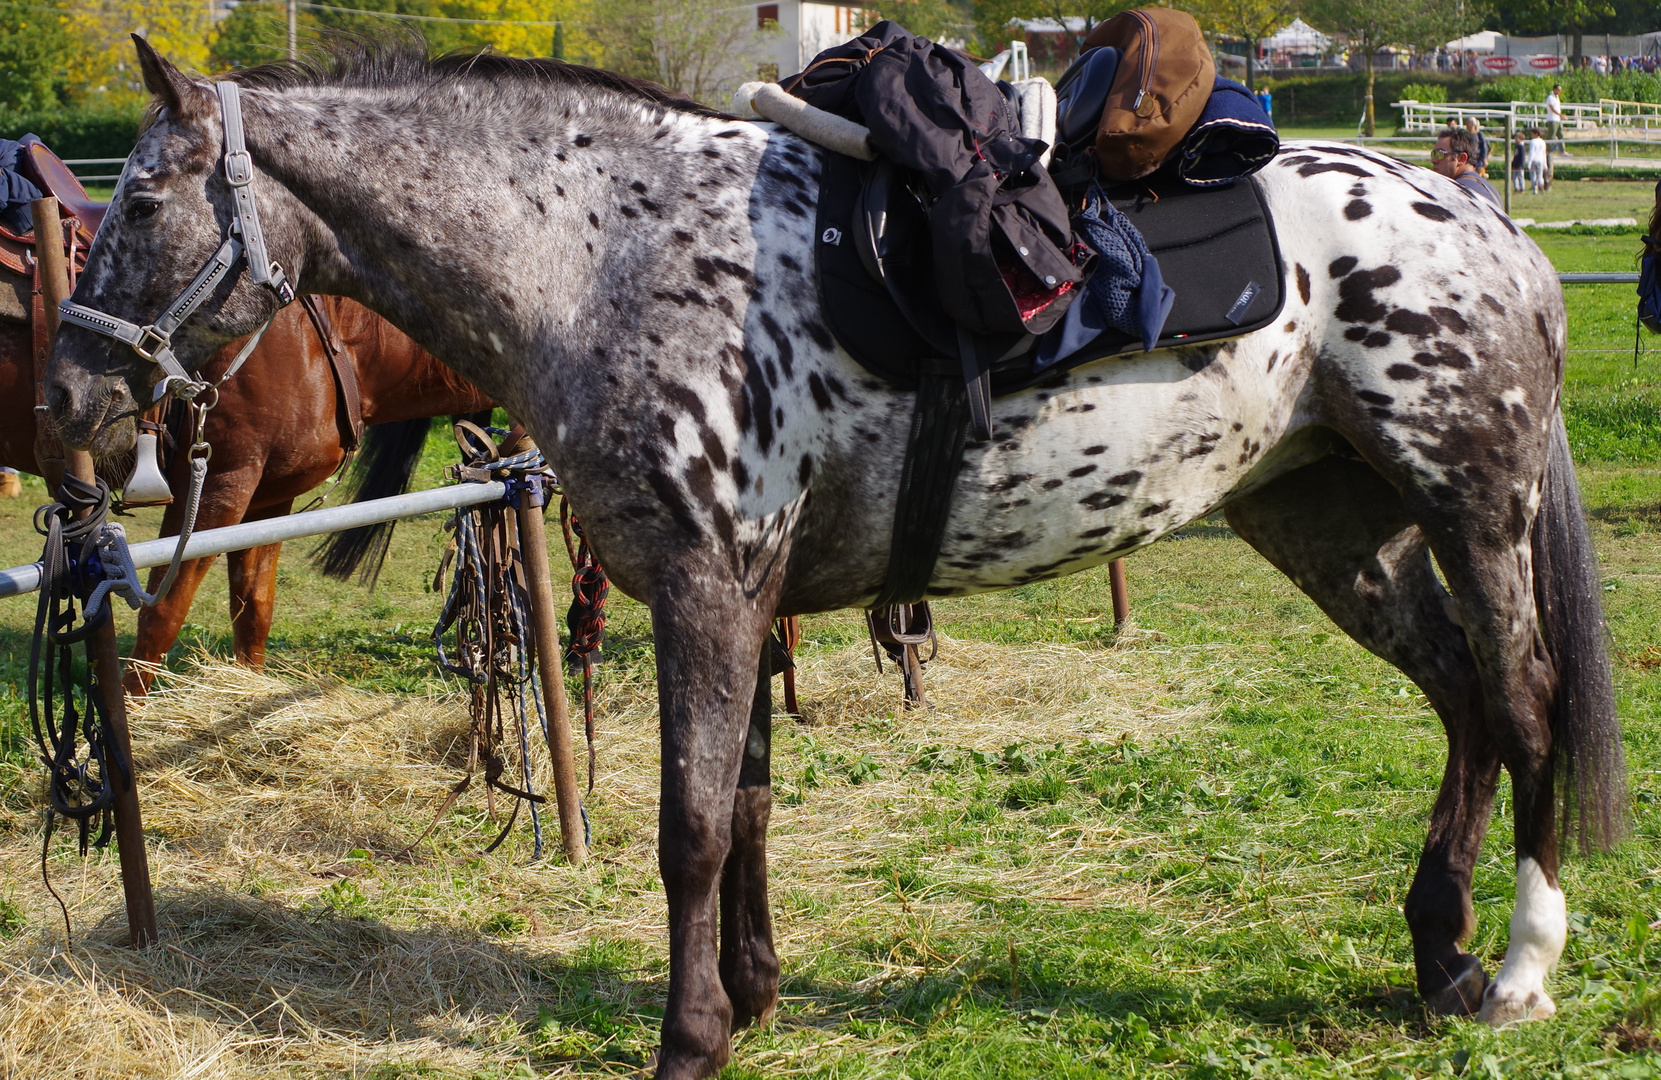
173,210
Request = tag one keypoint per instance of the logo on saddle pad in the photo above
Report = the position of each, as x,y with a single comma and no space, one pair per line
1237,313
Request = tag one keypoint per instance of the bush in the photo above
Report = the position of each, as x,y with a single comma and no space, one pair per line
1583,86
1331,100
107,131
1426,92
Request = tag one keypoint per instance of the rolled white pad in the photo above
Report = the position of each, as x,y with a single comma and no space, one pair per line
1037,98
771,102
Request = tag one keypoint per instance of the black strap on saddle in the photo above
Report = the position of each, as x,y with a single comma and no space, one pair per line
933,457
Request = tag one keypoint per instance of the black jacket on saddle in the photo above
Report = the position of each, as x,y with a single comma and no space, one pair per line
1004,253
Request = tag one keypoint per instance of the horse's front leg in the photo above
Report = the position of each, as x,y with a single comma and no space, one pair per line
749,966
708,638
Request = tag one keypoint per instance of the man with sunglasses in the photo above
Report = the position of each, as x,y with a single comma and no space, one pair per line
1452,158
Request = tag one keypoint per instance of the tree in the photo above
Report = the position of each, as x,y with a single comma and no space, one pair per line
104,66
701,48
36,48
1249,19
1372,25
1572,17
992,18
937,20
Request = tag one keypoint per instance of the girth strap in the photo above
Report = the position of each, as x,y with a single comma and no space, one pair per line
933,458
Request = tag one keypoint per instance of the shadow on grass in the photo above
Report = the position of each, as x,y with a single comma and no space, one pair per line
318,972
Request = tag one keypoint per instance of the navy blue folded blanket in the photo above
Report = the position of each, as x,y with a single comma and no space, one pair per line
16,191
1233,138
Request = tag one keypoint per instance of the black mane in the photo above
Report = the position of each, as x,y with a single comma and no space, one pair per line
398,60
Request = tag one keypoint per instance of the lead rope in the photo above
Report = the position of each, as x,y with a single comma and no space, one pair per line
586,619
80,788
486,617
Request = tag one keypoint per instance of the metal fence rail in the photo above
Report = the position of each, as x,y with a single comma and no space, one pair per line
1598,279
26,579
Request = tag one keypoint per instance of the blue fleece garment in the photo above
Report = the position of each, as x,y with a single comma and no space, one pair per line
1125,292
1233,138
16,191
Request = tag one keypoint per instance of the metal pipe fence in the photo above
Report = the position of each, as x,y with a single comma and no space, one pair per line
26,579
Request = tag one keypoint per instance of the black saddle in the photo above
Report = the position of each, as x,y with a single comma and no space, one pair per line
1216,248
877,293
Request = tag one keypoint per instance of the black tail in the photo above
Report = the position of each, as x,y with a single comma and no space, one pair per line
1568,594
385,463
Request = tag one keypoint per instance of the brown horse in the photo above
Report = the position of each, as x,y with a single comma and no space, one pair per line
280,429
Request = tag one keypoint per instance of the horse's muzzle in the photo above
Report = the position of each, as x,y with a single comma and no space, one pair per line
90,412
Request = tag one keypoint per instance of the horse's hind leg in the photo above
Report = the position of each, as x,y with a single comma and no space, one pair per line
1343,536
749,966
253,578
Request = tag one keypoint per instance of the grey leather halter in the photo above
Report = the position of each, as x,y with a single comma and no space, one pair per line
155,341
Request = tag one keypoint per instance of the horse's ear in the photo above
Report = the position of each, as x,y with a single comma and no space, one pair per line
172,89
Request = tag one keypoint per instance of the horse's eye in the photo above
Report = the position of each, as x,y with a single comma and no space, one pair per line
137,209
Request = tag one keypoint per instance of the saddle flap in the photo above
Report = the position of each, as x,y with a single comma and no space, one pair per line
51,175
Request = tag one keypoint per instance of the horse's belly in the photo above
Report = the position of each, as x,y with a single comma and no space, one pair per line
1108,458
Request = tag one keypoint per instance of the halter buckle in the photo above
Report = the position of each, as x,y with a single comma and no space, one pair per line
281,285
239,167
150,342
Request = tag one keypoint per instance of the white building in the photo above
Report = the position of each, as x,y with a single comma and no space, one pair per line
807,28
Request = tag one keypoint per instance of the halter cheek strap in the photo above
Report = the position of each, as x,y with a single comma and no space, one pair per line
155,341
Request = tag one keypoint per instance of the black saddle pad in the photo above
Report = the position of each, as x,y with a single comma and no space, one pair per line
1216,248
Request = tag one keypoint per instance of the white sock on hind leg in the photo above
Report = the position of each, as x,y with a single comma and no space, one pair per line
1539,928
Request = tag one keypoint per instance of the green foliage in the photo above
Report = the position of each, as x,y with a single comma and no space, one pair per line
1424,92
35,51
992,18
937,20
1583,86
12,920
1337,99
105,131
255,34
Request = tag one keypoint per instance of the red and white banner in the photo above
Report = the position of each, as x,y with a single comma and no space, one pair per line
1520,65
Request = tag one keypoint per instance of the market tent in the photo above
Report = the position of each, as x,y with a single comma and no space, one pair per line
1479,42
1298,37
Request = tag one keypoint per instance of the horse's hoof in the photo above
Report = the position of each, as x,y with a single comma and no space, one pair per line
1500,1012
1464,992
673,1066
758,1014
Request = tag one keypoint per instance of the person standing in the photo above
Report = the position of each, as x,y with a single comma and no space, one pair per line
1537,162
1519,162
1554,117
1480,161
1452,158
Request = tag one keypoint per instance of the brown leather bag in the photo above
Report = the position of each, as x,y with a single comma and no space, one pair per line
1164,80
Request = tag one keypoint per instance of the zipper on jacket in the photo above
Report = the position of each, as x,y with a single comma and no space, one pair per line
1145,104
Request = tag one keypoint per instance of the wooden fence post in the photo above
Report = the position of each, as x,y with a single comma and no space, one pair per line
106,659
550,665
1121,598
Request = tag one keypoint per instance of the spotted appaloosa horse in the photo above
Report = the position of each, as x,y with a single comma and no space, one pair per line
633,277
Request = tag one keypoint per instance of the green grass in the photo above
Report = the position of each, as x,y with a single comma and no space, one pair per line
1241,917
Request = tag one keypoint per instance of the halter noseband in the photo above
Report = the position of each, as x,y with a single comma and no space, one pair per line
155,341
